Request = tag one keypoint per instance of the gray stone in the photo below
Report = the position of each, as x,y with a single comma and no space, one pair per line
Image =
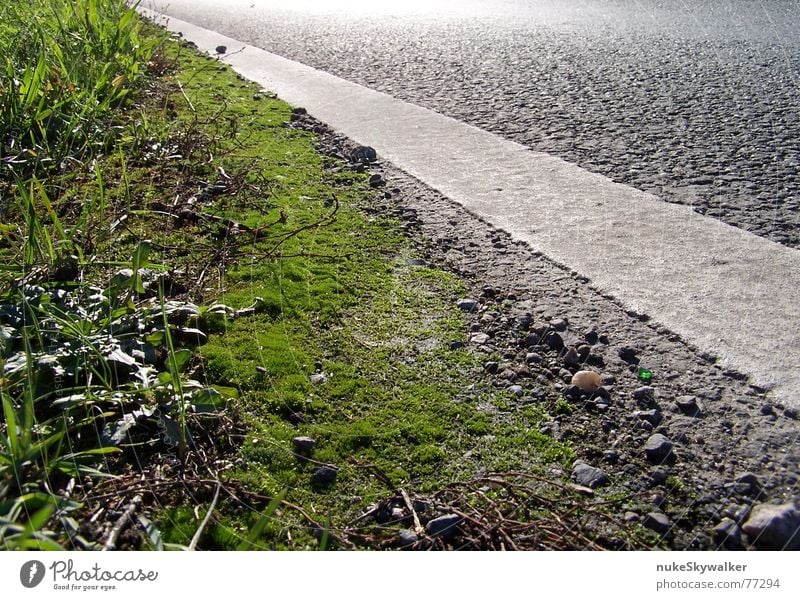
446,526
491,367
658,522
324,475
585,474
467,304
646,425
363,154
547,429
7,341
221,49
728,534
532,358
688,405
488,292
652,416
304,444
318,378
559,324
523,372
376,180
479,338
532,339
611,457
509,375
407,537
554,341
658,448
571,358
746,484
645,392
774,527
659,475
584,351
516,390
738,512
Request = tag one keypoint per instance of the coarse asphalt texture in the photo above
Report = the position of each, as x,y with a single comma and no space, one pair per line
694,101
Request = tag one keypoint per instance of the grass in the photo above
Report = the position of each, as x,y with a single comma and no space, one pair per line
203,287
66,66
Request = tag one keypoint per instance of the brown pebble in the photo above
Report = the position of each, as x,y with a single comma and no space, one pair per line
587,381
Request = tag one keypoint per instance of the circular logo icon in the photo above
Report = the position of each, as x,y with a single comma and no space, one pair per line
31,573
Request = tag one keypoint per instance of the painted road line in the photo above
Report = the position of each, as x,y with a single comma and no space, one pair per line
727,291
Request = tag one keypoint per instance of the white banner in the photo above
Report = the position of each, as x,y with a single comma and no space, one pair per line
397,575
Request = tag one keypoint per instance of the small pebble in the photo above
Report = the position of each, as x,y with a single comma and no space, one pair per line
376,180
318,378
571,358
554,341
324,475
407,537
467,304
658,522
628,354
304,444
658,448
491,367
687,405
728,534
585,474
532,358
774,527
516,390
446,526
479,338
587,381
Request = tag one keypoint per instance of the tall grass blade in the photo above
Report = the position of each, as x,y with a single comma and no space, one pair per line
257,529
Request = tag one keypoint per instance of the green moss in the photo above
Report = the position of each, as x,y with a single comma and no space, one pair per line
342,298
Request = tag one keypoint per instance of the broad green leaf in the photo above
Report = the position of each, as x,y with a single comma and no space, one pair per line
180,358
140,255
227,392
39,519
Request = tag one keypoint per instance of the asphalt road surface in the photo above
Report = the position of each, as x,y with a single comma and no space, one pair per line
695,101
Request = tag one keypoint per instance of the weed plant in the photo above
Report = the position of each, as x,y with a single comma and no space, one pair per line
64,66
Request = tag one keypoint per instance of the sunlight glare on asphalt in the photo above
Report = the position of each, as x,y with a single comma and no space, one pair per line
378,7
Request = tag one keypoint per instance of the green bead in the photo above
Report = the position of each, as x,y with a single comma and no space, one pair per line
645,374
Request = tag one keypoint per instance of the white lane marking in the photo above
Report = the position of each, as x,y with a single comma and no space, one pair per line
725,290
